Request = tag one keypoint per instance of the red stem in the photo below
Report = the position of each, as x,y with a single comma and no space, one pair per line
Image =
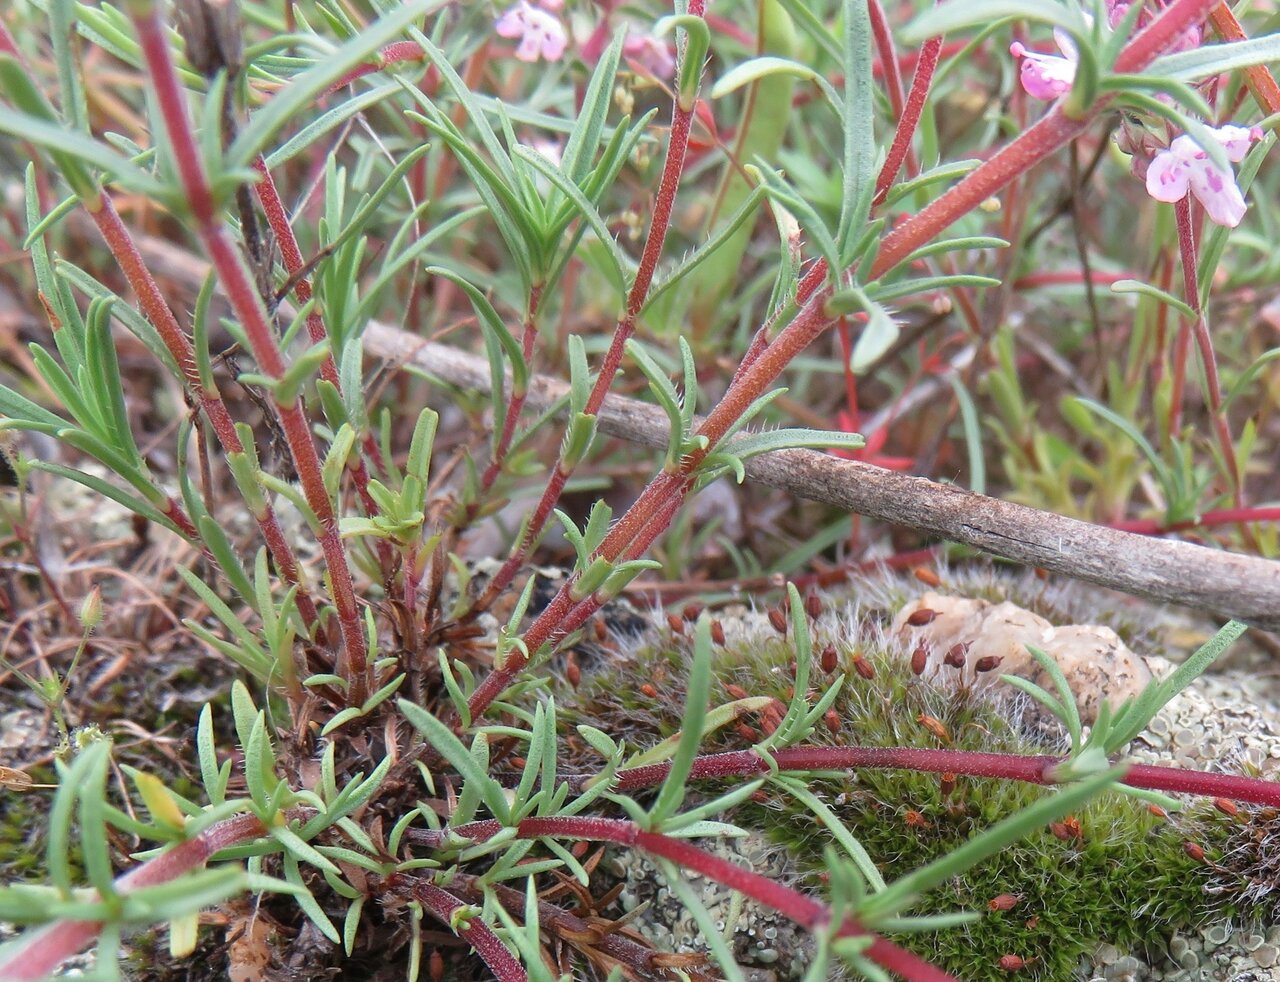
1200,328
1068,277
1225,516
390,55
888,57
766,360
515,404
1050,133
160,314
43,950
909,118
1009,767
804,910
664,203
443,905
282,228
1257,77
564,615
247,304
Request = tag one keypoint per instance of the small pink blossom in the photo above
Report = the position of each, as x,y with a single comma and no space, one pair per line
1048,76
650,54
1184,167
540,33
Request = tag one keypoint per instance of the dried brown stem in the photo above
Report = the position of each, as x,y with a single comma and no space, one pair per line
1225,584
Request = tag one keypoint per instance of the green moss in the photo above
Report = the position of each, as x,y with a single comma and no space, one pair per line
24,828
1126,880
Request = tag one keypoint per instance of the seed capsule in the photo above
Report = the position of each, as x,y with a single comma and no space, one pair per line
649,691
571,670
863,667
1006,901
748,733
1194,850
778,619
676,623
947,784
1033,922
435,965
1157,811
1012,963
832,719
926,576
1067,829
717,632
735,691
829,659
1226,806
915,820
935,726
579,849
692,610
813,606
921,617
987,662
918,659
955,655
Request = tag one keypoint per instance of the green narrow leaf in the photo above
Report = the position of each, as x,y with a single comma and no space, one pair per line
300,94
697,696
859,165
453,750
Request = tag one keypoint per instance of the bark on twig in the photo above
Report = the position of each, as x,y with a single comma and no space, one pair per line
1166,570
1222,583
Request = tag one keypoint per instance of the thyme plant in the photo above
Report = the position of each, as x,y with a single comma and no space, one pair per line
390,755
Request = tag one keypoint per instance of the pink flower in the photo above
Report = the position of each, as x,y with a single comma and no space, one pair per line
1048,76
539,32
650,54
1184,167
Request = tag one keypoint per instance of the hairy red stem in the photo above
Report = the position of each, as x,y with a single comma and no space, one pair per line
390,55
664,203
42,951
1010,767
1261,83
909,119
768,359
805,911
1200,331
443,906
515,403
888,58
1053,131
247,304
291,254
160,314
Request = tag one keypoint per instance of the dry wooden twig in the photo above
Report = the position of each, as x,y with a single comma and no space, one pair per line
1167,570
1222,583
